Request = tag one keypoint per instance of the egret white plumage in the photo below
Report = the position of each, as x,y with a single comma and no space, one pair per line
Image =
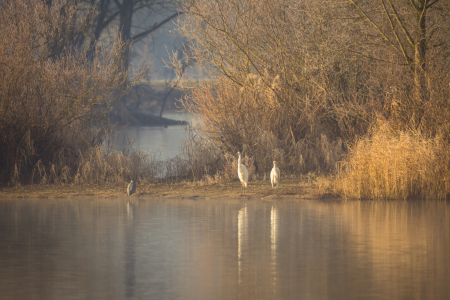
242,174
131,188
275,175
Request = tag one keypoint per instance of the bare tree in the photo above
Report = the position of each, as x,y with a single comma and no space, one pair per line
133,20
412,35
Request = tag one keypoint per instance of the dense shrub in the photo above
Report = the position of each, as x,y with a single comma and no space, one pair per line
53,96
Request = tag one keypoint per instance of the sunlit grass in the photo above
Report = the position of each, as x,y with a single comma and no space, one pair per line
396,165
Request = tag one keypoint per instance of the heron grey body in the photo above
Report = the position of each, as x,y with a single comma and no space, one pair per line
131,188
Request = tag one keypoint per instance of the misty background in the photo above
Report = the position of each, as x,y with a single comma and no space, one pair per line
149,27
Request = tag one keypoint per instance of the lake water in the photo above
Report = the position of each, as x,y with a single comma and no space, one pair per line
223,249
165,142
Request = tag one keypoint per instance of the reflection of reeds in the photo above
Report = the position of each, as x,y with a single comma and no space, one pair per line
396,165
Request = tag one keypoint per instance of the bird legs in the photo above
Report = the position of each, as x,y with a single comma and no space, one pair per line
242,189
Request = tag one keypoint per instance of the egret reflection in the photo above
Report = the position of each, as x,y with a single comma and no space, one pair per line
242,237
273,243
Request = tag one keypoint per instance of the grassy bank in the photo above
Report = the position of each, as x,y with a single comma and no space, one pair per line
304,187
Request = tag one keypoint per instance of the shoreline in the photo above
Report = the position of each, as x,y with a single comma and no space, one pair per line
141,119
290,188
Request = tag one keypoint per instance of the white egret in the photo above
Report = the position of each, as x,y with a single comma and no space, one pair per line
131,188
242,174
275,175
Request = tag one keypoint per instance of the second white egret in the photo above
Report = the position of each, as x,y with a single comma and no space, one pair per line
242,174
275,175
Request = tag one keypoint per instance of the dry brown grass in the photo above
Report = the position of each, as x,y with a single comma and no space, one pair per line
392,164
207,159
249,119
282,95
98,166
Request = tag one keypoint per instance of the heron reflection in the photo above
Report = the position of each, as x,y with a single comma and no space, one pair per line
129,210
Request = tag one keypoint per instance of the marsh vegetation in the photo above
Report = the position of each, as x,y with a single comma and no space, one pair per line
354,90
358,89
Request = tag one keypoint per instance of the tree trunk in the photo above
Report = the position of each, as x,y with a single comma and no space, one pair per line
419,54
125,18
101,22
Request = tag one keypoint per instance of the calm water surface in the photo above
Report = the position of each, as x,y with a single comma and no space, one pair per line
164,142
223,249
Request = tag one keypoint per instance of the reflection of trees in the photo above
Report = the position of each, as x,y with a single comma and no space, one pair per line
225,250
360,249
61,247
344,250
405,242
